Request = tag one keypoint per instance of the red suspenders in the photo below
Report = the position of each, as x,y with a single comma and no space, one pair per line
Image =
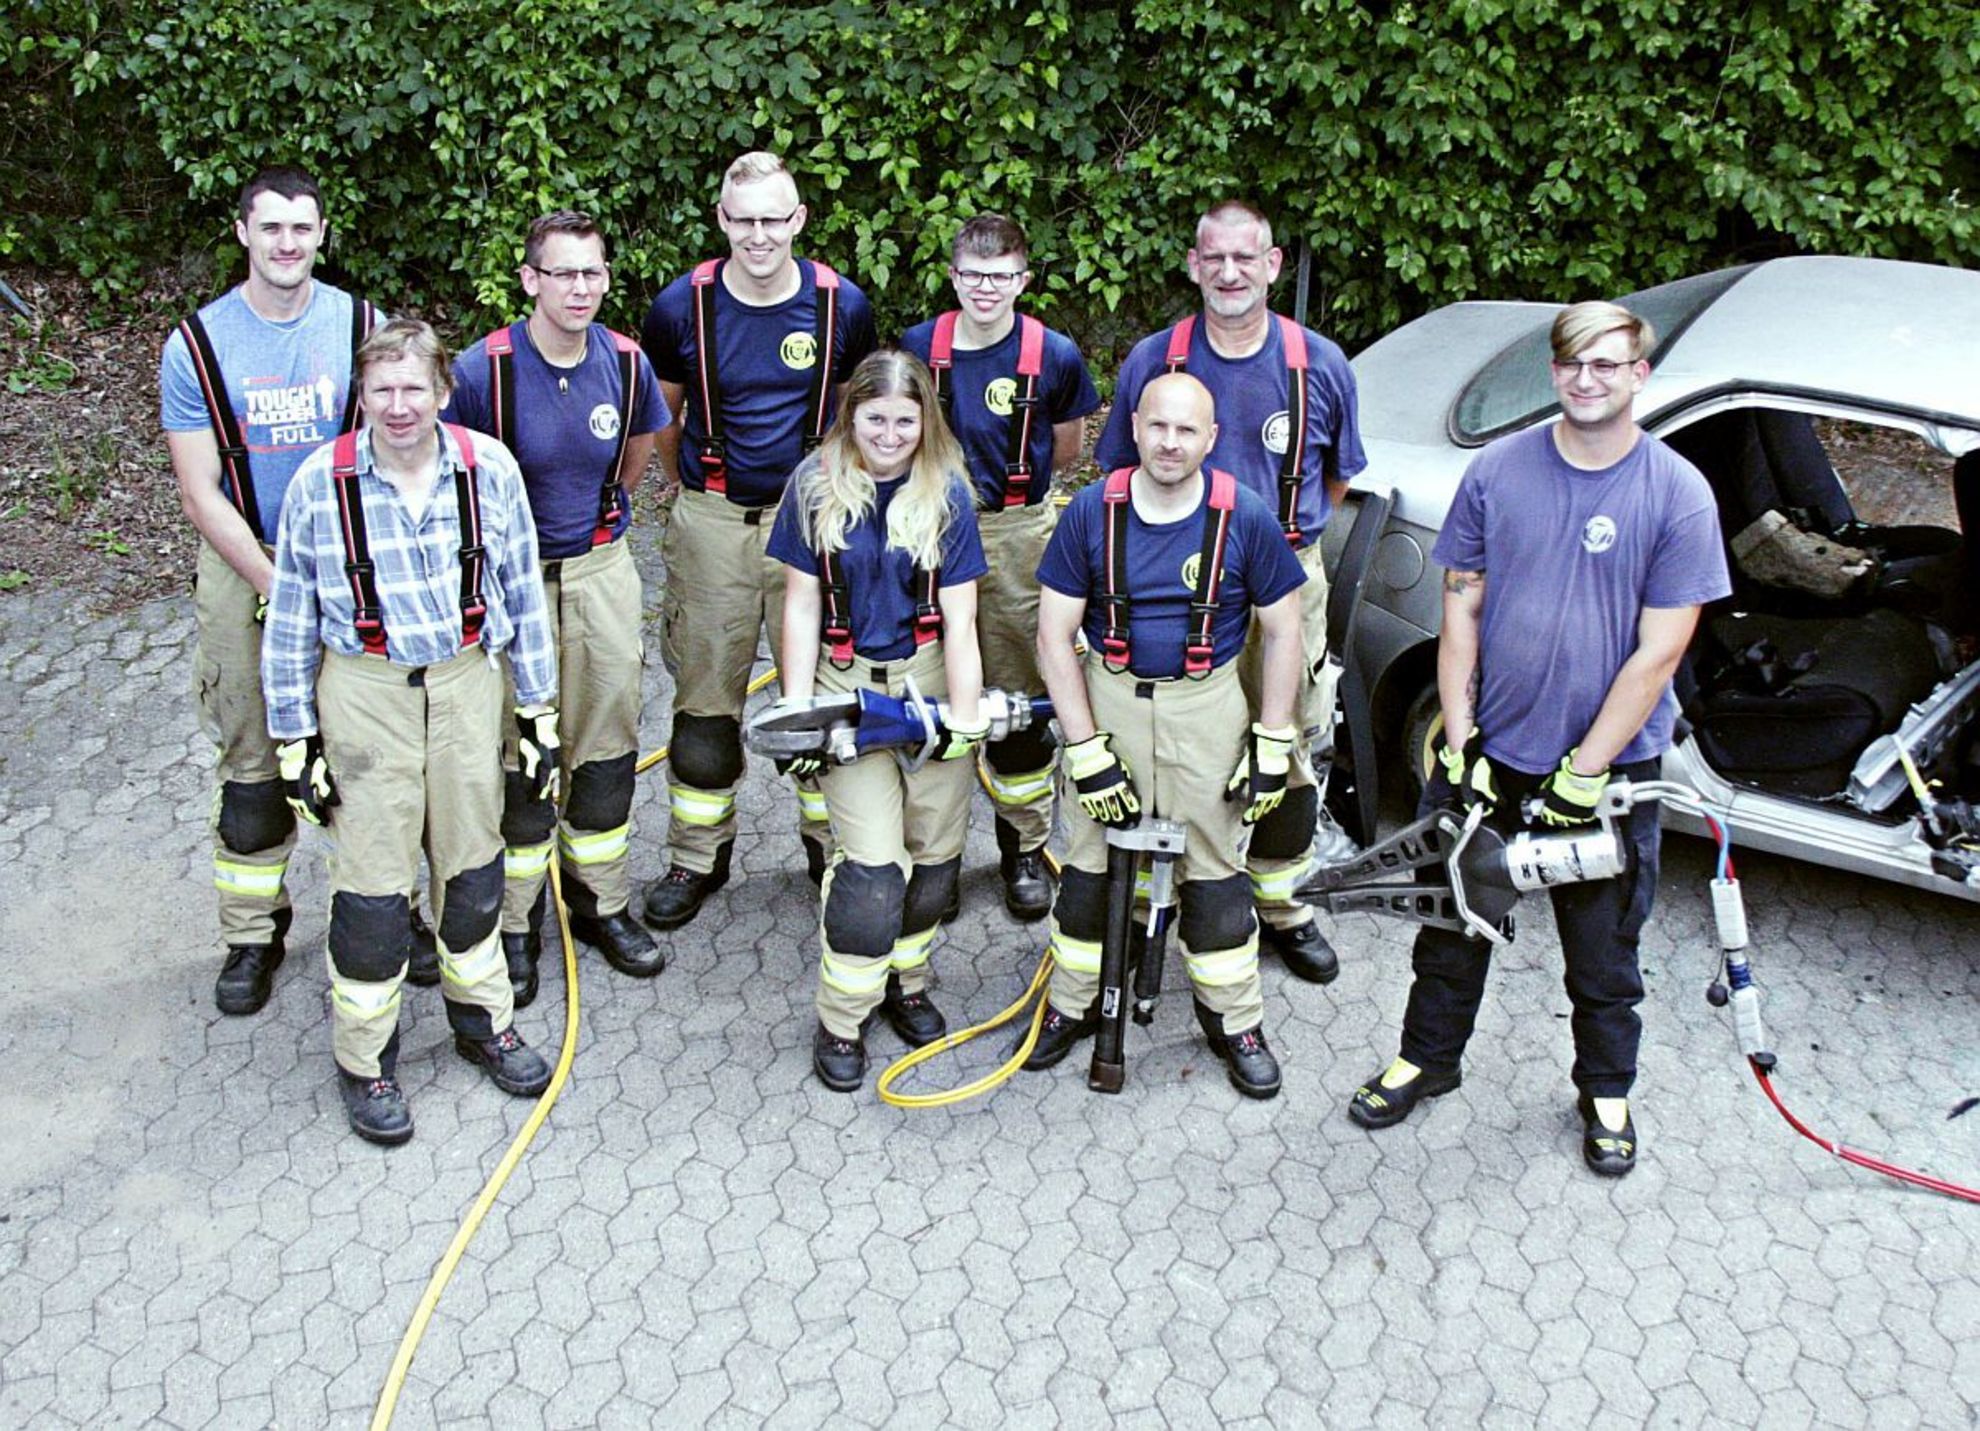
1199,647
501,349
1030,367
1293,339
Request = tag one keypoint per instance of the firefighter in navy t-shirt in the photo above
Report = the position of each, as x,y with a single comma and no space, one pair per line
748,350
579,406
1017,395
1294,443
1164,567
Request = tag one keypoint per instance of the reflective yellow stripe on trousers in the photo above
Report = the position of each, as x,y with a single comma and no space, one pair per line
1215,968
699,807
854,977
525,861
595,847
253,881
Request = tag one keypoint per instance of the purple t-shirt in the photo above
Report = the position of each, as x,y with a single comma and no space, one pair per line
1571,558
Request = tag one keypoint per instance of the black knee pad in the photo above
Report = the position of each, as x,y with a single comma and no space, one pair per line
370,935
1022,751
1216,913
706,751
601,794
1287,831
929,890
254,816
1081,908
473,904
525,819
863,910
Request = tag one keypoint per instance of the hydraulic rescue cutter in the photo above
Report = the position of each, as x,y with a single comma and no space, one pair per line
849,724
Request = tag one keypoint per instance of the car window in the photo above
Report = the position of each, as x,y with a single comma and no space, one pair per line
1513,389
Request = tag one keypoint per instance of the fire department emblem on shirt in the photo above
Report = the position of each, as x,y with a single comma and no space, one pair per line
1599,535
1192,564
999,395
799,350
1276,432
605,422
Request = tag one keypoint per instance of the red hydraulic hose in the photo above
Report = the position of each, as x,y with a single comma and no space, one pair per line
1850,1155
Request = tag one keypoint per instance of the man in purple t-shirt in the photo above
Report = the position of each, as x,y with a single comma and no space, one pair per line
1576,559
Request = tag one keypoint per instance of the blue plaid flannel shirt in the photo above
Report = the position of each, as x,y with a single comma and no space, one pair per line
418,574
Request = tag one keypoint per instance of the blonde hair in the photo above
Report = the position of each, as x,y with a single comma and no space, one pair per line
403,338
837,492
1579,324
756,165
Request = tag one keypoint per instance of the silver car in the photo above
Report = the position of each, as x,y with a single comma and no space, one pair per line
1832,704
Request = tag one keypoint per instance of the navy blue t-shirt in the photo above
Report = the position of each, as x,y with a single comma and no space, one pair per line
1162,559
764,362
1253,418
880,586
567,437
1571,558
980,387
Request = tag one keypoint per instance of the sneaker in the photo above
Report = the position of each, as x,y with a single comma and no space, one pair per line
678,896
375,1108
1608,1151
248,976
1057,1035
1378,1105
626,947
913,1016
840,1063
1248,1059
511,1065
1305,950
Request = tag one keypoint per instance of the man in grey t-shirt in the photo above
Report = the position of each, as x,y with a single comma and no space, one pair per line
1576,559
249,386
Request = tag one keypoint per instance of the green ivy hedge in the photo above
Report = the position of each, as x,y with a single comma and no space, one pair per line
1426,153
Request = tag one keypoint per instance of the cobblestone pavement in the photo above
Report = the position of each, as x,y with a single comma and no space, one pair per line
189,1236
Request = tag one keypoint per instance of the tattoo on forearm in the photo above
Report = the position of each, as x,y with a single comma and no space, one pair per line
1457,583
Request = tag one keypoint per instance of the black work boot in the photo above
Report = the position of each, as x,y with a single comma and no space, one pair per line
423,964
1248,1059
523,951
913,1016
248,976
1305,950
676,897
511,1065
840,1063
1057,1036
1027,887
618,936
375,1108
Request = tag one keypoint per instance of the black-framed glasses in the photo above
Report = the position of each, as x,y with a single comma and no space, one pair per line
566,277
768,223
979,278
1603,370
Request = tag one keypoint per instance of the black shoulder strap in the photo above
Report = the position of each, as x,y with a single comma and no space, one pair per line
234,470
825,307
474,554
364,318
714,449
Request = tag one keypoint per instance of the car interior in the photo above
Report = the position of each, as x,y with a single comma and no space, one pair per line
1842,620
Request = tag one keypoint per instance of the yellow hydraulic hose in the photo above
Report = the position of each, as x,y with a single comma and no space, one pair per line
388,1397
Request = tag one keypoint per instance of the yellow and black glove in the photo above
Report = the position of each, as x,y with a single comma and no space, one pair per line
1469,771
1572,797
1262,771
1101,781
959,740
537,747
306,782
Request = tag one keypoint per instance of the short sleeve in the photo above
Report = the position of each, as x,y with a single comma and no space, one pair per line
661,335
653,413
1071,393
962,542
1461,544
787,543
181,408
1064,565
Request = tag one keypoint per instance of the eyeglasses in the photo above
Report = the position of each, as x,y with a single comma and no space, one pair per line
768,223
978,278
566,277
1603,370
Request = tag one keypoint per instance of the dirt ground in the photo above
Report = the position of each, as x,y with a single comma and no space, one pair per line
88,505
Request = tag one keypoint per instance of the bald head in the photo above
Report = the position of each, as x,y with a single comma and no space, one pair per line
1174,427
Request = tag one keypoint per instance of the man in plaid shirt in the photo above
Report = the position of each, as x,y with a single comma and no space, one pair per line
405,565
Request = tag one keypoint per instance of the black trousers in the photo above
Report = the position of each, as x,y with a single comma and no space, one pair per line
1599,923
